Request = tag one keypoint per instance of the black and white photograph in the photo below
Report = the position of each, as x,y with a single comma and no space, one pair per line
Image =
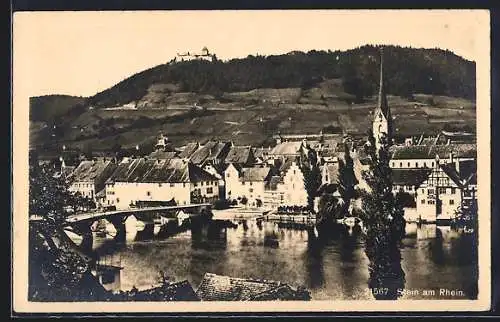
266,160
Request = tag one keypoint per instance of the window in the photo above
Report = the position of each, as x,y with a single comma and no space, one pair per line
202,183
184,185
423,201
452,202
430,202
228,175
196,184
425,165
148,193
430,191
416,164
293,171
441,190
117,200
453,191
250,190
400,164
393,164
251,182
408,164
432,164
172,185
423,190
210,190
159,185
243,182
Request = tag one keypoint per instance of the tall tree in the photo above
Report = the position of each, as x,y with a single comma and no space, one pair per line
309,165
384,222
347,180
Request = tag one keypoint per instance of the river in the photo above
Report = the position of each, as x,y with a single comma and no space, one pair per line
439,262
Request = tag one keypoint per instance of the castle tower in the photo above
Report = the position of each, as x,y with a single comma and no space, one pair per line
382,119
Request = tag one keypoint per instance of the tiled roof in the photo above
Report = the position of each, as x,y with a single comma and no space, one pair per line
166,155
239,155
92,170
411,152
409,177
260,152
224,288
254,174
459,150
286,148
210,151
173,171
180,291
188,150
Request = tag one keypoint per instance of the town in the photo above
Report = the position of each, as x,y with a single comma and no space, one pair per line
205,187
438,172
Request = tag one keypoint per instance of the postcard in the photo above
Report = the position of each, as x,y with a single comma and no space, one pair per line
251,161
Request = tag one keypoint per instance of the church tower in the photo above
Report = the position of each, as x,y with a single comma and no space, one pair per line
382,119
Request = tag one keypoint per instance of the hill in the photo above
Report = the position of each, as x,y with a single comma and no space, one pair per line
248,100
50,107
409,70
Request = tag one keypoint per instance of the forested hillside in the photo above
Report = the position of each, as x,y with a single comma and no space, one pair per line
408,70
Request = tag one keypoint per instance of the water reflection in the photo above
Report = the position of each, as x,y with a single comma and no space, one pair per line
332,265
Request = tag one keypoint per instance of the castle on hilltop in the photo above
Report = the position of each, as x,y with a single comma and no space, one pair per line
205,54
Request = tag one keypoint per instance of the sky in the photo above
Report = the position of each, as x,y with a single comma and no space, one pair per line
82,53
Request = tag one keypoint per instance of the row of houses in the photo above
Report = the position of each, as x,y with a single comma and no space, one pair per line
272,177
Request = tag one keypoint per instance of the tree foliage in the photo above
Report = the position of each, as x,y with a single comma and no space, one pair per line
309,165
347,180
384,222
428,71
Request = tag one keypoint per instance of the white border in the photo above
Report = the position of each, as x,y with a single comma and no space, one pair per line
20,221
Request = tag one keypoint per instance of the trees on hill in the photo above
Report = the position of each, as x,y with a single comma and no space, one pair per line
410,71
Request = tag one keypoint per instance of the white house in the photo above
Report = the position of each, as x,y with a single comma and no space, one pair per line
286,188
246,182
89,177
142,180
442,193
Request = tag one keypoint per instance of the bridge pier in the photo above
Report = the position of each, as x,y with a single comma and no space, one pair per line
119,224
84,229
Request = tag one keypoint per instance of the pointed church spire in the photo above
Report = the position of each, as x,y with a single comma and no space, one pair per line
382,121
382,98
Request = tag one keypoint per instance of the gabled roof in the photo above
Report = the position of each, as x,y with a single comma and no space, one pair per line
92,170
166,155
172,171
466,173
260,152
459,150
410,177
210,151
180,291
287,148
239,155
188,150
411,152
225,288
255,174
